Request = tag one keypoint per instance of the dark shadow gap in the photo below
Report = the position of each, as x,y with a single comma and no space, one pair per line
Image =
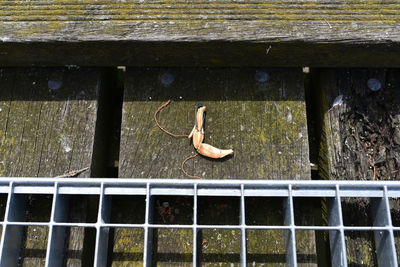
108,124
314,127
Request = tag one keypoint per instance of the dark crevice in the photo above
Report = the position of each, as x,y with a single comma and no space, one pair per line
312,123
105,159
108,125
314,126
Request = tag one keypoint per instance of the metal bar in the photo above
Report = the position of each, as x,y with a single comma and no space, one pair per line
195,232
51,260
290,235
102,233
267,184
243,228
384,240
148,232
336,237
218,226
4,257
12,239
343,254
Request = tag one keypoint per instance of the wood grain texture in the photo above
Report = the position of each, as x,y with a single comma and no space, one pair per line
39,32
47,123
358,135
46,132
364,117
264,122
351,20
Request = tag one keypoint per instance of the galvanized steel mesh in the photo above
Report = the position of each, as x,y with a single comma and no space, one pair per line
16,189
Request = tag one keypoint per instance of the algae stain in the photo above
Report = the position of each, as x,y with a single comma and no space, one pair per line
262,136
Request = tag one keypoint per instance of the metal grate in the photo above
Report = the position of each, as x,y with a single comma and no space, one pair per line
379,193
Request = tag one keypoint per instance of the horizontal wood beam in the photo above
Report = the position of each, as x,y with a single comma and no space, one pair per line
200,33
206,54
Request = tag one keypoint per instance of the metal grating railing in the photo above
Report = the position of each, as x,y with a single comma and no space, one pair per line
16,189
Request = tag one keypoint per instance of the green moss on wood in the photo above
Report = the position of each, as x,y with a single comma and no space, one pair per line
264,123
46,132
265,127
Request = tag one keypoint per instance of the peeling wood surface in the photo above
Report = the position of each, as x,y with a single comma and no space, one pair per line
260,113
356,119
47,123
359,133
134,33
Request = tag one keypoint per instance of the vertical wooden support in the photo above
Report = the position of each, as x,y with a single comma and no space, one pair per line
360,140
259,113
47,126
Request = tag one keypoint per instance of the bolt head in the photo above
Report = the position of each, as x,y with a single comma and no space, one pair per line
167,78
374,84
261,76
54,84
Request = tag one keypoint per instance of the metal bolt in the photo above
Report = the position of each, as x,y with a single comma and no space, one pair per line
374,84
261,76
54,84
167,78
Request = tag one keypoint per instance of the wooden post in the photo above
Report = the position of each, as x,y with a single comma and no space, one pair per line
359,140
47,124
259,113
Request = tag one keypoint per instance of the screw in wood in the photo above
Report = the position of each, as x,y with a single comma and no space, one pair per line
261,76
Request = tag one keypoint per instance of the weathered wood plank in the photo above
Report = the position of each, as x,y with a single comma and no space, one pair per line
47,123
359,139
260,113
42,128
264,122
364,125
274,32
200,20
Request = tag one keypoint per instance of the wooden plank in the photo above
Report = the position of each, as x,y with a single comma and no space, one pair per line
260,113
275,32
46,132
264,122
359,137
47,123
200,20
363,126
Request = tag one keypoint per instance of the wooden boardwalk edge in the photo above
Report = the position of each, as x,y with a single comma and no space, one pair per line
200,33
